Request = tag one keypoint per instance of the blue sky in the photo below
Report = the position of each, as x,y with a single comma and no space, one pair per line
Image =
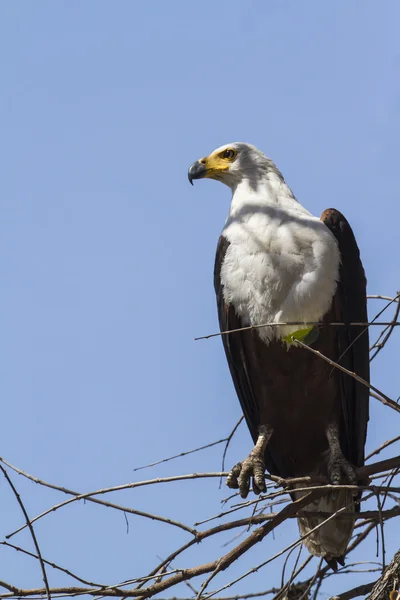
107,252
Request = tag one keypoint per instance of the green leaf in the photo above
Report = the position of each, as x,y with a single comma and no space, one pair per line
308,335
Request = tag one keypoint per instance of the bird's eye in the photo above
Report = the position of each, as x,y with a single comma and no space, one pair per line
229,154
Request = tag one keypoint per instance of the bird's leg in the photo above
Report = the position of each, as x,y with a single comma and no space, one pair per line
252,466
339,468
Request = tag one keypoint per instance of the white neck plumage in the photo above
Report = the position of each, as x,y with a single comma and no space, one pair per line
270,190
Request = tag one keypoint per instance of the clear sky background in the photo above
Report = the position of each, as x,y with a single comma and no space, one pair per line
107,252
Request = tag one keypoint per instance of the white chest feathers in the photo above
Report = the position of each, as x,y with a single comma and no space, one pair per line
281,265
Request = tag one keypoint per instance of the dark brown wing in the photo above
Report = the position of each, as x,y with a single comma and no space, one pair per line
350,305
234,348
245,354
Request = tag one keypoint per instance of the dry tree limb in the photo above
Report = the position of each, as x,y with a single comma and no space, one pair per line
288,512
228,441
185,574
51,564
324,572
255,537
124,509
74,591
375,393
380,297
294,323
388,582
180,455
29,524
362,472
292,576
381,530
360,590
285,588
383,446
9,587
292,545
377,590
237,597
132,511
365,471
387,332
125,486
308,588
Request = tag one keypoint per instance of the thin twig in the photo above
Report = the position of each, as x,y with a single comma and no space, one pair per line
379,297
293,323
293,573
360,590
127,486
77,495
263,564
381,397
285,588
186,574
228,441
383,446
378,499
389,329
9,587
164,460
29,524
51,564
313,580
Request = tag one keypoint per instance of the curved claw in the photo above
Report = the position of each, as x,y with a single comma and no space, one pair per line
242,473
232,479
340,471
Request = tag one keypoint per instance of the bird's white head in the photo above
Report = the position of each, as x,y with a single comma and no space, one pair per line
231,164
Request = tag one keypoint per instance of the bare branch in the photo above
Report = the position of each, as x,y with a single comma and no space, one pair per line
164,460
379,297
389,580
185,574
378,394
10,587
51,564
126,486
77,496
29,524
293,323
293,545
387,332
228,441
360,590
383,446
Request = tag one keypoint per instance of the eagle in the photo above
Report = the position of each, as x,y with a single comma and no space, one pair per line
277,263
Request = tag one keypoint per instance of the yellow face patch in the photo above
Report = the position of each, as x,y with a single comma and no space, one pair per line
218,162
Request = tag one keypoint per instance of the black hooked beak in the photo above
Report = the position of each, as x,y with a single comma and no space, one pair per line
197,170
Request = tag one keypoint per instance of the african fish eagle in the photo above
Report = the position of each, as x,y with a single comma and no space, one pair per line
277,263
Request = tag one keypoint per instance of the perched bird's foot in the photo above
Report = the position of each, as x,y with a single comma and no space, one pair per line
252,467
242,473
340,471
